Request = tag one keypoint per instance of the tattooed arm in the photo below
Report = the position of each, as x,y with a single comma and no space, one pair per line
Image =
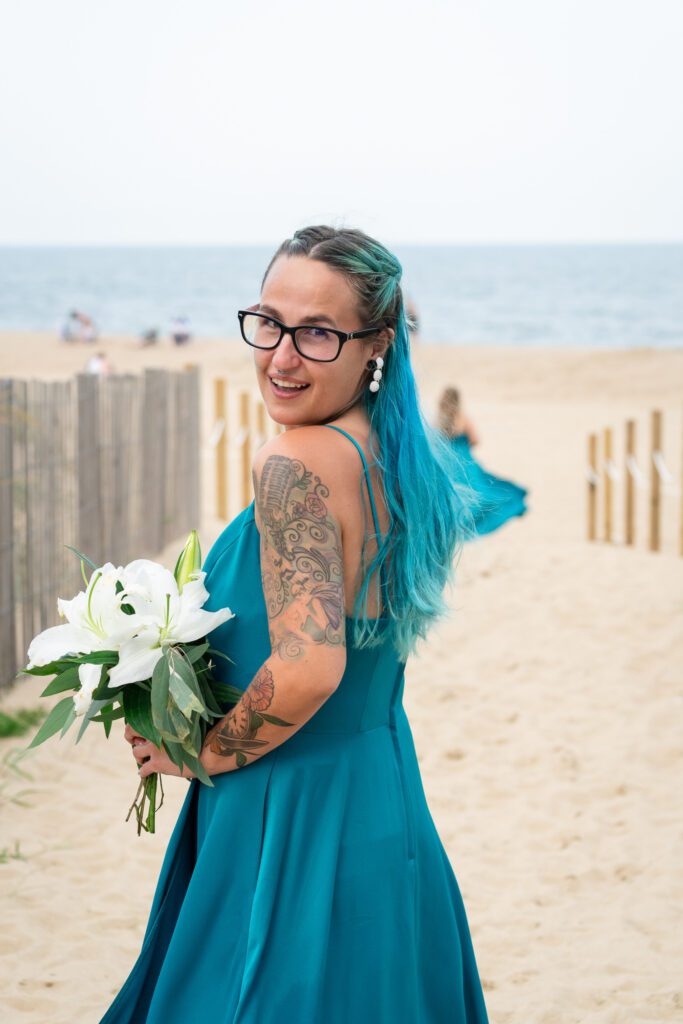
303,584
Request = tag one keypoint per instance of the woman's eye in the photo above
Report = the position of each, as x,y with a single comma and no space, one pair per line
317,333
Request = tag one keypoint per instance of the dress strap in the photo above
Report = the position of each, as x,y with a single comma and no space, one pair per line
384,589
367,475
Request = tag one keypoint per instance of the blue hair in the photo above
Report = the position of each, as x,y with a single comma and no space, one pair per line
431,513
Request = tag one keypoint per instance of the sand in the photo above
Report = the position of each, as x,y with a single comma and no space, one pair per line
546,713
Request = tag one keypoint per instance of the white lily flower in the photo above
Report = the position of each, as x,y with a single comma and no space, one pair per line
89,676
165,616
95,621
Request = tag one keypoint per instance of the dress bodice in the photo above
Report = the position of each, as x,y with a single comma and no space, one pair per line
373,679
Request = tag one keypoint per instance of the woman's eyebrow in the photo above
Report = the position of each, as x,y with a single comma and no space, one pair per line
311,318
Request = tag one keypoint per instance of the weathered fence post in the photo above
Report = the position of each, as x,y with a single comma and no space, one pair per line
630,495
655,491
7,610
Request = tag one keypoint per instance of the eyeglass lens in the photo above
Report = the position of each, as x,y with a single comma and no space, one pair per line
313,342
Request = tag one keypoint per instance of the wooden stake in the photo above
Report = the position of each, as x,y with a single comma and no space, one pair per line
630,491
592,485
607,481
220,416
245,425
655,487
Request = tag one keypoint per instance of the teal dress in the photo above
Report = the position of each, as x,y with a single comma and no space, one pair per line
498,499
310,885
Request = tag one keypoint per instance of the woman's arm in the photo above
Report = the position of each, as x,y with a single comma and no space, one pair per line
472,435
303,584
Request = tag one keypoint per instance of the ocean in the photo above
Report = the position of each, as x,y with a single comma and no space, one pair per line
601,296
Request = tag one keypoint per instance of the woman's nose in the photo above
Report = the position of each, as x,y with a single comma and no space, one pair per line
285,354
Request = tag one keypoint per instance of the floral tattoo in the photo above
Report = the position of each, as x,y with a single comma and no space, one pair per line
236,733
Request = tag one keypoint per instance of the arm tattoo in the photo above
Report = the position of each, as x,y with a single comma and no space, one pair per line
303,584
236,733
301,559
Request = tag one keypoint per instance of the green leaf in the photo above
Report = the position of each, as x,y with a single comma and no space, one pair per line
137,710
84,557
98,658
225,692
220,654
179,722
175,752
183,685
70,720
105,716
275,721
54,721
67,680
197,734
195,653
241,759
53,668
160,683
89,716
208,697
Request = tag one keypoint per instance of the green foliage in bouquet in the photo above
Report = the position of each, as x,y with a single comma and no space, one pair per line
176,706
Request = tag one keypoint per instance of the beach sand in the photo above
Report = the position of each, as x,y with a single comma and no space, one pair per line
546,714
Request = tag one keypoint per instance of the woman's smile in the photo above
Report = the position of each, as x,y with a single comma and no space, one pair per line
287,388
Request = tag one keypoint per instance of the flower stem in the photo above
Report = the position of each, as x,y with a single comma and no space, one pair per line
147,795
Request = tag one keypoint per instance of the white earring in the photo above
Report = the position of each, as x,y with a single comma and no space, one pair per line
375,365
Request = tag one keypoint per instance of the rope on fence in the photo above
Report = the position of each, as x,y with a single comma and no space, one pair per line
665,474
634,470
240,438
612,471
216,433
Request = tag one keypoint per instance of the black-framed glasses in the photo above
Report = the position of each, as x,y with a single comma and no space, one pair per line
322,344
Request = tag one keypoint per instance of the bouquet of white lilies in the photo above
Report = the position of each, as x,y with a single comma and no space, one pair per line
134,647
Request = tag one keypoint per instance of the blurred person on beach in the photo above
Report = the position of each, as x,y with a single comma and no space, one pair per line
78,327
149,337
308,883
500,499
69,329
98,363
180,330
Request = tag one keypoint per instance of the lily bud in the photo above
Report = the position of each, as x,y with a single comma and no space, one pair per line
189,561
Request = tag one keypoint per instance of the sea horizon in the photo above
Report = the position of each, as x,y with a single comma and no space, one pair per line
557,294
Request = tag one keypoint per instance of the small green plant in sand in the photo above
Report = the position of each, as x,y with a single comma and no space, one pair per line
19,722
6,855
10,774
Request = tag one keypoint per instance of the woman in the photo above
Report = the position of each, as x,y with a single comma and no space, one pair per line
309,883
499,499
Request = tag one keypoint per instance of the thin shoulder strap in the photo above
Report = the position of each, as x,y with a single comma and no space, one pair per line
367,476
382,568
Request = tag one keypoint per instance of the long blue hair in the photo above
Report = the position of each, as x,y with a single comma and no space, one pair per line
431,513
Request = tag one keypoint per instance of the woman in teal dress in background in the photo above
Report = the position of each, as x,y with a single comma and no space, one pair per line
309,883
498,499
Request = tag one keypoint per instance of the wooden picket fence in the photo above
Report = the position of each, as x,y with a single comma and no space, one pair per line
107,464
241,426
653,480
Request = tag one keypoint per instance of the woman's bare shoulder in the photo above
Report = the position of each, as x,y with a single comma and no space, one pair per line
313,459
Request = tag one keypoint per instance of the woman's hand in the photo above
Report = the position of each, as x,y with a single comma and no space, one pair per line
151,759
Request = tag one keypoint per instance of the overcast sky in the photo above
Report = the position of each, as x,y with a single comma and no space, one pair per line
213,121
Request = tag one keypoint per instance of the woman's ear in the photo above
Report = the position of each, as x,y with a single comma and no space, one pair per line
382,341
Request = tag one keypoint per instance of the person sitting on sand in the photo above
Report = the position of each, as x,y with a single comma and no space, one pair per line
500,499
180,330
79,327
98,363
